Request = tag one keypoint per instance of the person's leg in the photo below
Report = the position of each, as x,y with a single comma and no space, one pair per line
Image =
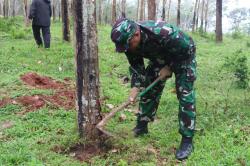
46,36
149,102
185,74
37,35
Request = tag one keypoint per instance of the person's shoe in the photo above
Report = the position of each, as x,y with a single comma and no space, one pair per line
141,128
185,149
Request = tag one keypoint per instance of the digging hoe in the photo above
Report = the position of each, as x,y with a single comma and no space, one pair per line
164,73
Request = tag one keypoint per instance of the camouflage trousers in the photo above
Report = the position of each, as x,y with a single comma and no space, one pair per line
185,75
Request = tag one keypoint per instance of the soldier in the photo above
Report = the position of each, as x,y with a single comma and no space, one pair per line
163,45
40,13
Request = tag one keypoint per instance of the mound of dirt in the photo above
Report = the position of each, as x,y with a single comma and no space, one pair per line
30,102
63,97
42,82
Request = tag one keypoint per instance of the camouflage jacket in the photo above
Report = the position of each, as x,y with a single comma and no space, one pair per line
159,41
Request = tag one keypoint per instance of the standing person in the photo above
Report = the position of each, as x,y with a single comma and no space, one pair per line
163,45
40,13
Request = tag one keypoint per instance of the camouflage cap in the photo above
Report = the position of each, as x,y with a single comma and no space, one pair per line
122,31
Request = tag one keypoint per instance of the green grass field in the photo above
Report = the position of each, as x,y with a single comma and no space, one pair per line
223,109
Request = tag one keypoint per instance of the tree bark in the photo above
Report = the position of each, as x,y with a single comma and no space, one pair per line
197,18
218,21
169,5
65,20
163,16
87,70
113,11
179,13
142,10
151,9
123,8
206,16
194,16
202,16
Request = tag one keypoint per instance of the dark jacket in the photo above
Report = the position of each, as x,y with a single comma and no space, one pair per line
40,12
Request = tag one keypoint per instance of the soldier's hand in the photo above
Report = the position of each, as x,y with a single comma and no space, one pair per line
165,73
133,94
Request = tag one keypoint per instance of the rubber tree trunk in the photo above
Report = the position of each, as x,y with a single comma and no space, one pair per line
202,16
13,8
206,16
1,8
26,11
194,16
87,70
137,10
113,11
169,6
163,16
142,9
151,9
54,10
6,8
100,12
179,13
65,20
59,10
218,21
197,18
123,8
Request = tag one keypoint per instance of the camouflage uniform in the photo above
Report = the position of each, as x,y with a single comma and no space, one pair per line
164,44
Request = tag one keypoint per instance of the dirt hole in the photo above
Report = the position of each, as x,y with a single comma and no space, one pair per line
83,152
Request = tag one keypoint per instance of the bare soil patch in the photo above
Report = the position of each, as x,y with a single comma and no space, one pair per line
63,97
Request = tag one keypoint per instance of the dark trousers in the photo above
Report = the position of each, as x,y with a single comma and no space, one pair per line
46,35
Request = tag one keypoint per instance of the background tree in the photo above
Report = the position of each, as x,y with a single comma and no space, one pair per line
26,11
237,16
13,8
218,21
6,8
113,11
163,16
142,10
169,5
65,20
53,6
194,16
179,13
100,12
151,10
202,16
87,71
197,18
206,15
123,6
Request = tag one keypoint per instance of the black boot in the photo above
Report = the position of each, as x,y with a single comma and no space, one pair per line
141,128
185,148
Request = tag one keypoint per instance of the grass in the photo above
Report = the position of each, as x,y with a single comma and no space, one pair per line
223,110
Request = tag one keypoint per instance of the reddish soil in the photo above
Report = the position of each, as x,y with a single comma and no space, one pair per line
35,80
62,98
